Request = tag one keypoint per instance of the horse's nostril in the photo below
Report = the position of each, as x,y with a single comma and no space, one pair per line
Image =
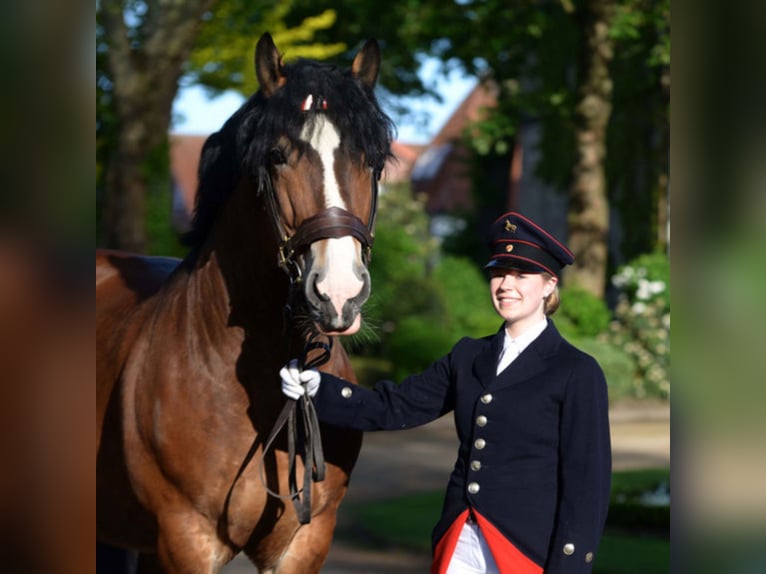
314,285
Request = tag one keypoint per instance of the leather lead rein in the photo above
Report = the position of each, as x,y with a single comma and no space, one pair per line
314,467
330,223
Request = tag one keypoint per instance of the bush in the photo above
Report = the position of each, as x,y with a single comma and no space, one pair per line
619,367
587,314
161,238
415,344
422,302
629,507
466,293
642,322
453,303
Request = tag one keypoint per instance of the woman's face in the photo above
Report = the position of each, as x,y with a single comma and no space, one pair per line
518,296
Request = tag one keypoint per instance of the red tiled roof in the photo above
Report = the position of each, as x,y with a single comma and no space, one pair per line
471,109
399,169
441,171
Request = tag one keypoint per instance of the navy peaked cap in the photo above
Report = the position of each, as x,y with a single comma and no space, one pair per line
517,242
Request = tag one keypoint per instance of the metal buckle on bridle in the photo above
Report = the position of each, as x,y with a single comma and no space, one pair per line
288,263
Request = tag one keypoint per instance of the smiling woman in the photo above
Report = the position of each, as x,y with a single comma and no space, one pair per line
530,488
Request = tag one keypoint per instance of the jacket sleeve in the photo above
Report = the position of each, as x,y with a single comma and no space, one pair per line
419,399
585,468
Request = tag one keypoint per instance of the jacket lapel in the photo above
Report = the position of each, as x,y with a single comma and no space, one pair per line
533,360
485,363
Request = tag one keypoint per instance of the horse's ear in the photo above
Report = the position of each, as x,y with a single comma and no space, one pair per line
366,64
268,65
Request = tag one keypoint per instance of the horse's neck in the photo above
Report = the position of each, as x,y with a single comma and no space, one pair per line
235,293
195,302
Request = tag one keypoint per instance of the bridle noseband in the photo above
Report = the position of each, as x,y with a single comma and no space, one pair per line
331,223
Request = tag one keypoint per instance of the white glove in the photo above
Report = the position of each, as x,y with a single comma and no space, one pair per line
296,382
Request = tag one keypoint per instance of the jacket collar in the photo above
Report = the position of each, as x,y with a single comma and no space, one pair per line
529,363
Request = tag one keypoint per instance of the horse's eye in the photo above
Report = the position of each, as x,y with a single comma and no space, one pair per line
277,157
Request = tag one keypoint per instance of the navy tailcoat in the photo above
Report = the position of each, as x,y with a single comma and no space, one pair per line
534,456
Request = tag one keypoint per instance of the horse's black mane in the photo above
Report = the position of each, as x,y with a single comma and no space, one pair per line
243,145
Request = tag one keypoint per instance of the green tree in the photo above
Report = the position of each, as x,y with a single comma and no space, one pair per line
554,62
403,255
564,63
222,58
422,301
143,49
639,133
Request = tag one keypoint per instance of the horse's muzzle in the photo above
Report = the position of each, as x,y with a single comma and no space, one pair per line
336,285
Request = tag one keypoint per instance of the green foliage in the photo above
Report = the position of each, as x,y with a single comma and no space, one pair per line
222,58
417,342
637,525
422,302
618,366
629,485
626,554
161,238
638,133
405,521
637,18
401,257
586,313
466,292
642,322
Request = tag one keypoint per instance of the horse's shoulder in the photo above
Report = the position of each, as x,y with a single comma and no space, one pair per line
123,282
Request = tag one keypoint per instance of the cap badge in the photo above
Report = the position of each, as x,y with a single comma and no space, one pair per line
508,248
510,226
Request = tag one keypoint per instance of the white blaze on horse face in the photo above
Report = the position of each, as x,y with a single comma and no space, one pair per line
338,256
324,138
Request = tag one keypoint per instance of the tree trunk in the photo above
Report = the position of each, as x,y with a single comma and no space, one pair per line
663,178
146,62
588,215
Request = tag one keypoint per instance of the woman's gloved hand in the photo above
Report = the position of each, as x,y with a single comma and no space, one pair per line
296,382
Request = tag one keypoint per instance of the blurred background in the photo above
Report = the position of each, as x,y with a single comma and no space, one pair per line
559,110
556,109
563,112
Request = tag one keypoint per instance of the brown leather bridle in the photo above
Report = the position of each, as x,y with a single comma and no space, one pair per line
333,222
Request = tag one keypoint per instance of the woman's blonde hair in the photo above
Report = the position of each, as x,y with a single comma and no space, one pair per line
553,300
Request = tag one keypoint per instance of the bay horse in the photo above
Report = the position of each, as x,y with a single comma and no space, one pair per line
188,352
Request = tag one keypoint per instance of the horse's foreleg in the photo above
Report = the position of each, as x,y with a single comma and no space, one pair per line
187,544
309,547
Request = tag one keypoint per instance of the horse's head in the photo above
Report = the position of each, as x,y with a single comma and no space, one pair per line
316,141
